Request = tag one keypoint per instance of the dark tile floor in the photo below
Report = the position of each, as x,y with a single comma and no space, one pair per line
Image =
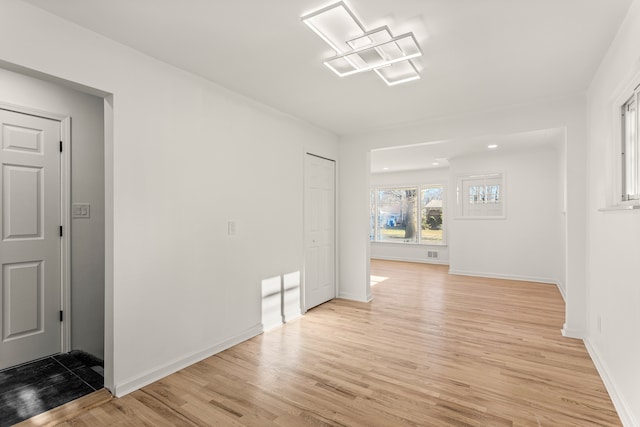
35,387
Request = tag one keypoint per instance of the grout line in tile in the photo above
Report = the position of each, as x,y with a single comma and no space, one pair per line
74,374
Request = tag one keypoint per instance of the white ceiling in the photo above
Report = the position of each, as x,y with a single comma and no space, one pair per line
478,54
423,156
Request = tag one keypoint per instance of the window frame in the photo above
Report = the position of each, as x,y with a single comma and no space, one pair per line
629,147
462,196
377,191
615,200
419,207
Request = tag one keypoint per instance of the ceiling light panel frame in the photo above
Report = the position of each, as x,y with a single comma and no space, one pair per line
358,50
398,73
377,35
335,24
376,56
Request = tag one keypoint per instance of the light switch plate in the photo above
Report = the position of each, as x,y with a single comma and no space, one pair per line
81,210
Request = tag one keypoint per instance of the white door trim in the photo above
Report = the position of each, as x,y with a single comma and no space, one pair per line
303,302
65,214
65,241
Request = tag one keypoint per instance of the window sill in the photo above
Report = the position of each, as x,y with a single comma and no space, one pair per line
620,208
435,245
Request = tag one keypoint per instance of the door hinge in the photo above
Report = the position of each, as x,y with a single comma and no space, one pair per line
61,146
61,316
60,231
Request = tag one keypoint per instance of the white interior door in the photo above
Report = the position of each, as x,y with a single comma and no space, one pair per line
319,224
30,287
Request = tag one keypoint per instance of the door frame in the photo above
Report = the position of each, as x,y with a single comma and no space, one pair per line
65,213
303,303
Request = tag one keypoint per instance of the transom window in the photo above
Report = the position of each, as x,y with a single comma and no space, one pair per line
407,215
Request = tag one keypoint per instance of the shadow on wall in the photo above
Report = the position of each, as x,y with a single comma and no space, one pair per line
280,300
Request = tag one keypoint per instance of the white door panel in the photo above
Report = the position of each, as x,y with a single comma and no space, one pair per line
319,211
30,288
22,288
22,207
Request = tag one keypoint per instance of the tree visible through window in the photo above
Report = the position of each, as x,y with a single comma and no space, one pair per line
431,224
407,215
397,215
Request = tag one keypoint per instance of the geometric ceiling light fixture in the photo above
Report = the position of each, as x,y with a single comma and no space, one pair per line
358,50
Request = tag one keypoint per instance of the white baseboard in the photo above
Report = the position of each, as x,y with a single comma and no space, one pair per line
505,276
293,317
271,326
562,293
418,260
568,332
512,277
172,367
621,405
354,297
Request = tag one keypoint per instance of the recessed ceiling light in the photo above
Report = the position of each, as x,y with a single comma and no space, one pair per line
385,169
435,164
492,146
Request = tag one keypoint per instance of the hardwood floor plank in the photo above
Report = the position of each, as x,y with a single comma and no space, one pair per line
66,412
431,349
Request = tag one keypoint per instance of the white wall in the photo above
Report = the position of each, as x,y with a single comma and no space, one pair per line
87,186
186,156
614,246
354,198
527,243
409,252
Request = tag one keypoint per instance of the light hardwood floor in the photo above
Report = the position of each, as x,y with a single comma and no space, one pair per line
430,350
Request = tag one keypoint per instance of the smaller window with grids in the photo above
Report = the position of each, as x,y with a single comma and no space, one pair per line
481,196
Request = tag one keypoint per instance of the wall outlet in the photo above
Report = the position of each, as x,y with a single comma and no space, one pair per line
81,210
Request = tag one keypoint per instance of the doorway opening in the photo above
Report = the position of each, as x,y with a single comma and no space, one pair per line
487,206
75,309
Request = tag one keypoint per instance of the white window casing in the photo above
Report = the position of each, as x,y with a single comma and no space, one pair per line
630,150
481,196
